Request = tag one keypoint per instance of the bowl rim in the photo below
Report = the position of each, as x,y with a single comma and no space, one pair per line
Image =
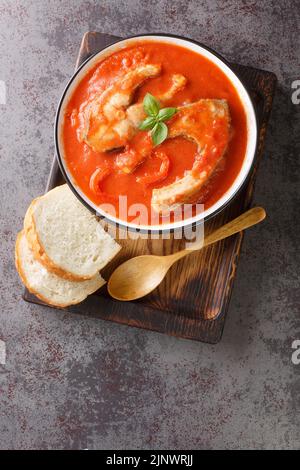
168,227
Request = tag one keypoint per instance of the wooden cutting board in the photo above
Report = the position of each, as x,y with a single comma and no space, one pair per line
193,299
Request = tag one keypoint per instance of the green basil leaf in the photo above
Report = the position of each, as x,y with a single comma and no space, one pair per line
159,133
151,105
166,113
147,123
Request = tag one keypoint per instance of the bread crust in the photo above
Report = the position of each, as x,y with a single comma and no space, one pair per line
39,252
26,283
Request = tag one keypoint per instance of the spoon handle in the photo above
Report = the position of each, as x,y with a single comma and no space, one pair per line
247,219
251,217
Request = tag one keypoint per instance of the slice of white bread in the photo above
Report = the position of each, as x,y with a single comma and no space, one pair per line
66,238
47,286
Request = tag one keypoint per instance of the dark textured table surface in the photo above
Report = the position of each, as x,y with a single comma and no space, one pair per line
73,382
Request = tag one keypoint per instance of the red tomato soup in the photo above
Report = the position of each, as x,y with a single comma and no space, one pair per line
109,156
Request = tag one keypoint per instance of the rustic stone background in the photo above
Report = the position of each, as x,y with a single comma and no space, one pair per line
72,382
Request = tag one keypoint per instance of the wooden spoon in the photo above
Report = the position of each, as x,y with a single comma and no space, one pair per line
139,276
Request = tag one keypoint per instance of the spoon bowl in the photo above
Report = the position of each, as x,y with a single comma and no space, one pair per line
136,281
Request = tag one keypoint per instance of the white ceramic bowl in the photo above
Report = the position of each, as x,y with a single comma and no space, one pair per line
213,57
